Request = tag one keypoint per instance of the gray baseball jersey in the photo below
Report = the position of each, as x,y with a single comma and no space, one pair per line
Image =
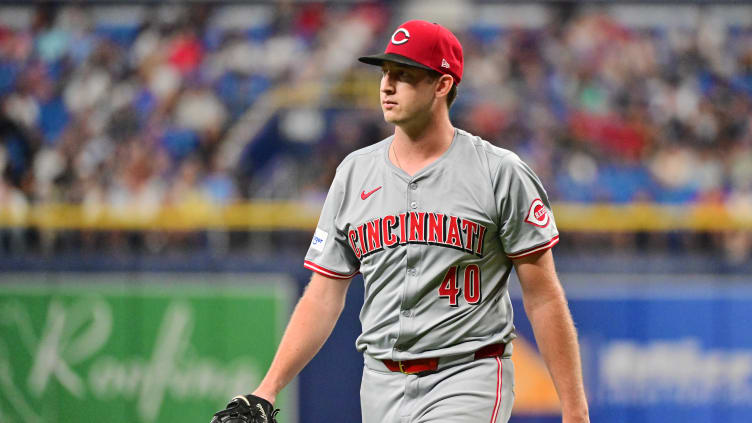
436,248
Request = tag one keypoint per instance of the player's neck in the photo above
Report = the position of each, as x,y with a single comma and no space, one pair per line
414,148
425,133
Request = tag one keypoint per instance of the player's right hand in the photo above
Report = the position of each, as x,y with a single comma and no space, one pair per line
247,409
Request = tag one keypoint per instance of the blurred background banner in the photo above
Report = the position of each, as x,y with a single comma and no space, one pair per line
147,145
658,348
150,348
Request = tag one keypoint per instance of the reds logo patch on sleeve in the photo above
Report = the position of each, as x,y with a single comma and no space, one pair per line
538,214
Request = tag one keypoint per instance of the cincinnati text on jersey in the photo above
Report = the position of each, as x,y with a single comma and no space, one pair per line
416,228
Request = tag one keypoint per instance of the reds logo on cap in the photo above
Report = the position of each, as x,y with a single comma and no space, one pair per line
404,38
538,214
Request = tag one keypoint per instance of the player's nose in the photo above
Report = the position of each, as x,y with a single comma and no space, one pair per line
387,83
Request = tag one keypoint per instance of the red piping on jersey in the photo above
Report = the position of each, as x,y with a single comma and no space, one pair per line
326,272
530,251
499,384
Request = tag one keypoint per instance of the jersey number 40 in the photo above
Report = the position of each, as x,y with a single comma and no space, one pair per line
450,286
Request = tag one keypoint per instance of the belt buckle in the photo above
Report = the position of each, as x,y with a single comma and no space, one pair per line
401,367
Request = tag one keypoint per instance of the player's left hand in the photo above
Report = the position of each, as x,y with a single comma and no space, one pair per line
247,409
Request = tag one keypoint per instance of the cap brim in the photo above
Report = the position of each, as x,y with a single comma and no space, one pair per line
379,59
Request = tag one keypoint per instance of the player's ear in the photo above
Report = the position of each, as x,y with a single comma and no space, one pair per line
444,85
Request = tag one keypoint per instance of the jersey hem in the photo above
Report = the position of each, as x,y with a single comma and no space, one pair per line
536,249
326,272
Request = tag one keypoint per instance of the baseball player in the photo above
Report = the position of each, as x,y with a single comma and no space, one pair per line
435,219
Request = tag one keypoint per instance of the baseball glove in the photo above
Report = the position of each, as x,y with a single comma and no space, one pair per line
247,409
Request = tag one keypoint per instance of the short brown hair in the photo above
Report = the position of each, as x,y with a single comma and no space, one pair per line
452,95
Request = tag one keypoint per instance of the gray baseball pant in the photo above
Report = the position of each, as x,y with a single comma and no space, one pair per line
478,391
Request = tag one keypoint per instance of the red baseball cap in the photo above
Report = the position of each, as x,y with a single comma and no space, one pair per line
425,45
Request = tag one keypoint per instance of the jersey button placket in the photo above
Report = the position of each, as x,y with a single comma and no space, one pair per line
412,195
407,328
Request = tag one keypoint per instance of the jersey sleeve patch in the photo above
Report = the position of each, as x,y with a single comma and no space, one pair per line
533,250
326,272
538,214
319,240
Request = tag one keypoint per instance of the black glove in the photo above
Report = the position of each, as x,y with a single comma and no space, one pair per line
247,409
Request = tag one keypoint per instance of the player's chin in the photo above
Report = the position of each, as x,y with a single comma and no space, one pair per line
393,116
390,116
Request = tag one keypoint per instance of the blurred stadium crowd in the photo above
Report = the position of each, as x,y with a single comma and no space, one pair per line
142,106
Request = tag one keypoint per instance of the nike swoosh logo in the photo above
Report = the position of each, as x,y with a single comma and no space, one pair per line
364,195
